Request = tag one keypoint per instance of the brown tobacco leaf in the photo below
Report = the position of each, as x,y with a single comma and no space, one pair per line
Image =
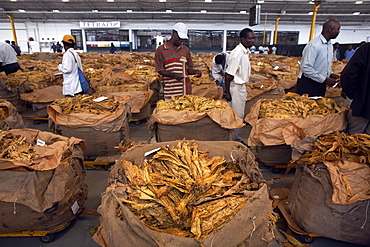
191,103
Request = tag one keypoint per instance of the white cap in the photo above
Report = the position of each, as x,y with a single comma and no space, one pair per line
181,29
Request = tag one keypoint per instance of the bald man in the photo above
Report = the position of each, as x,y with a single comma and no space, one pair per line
316,62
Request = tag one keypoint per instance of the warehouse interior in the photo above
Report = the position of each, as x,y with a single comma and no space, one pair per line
137,28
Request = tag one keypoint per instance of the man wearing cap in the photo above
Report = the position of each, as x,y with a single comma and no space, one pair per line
237,74
71,61
173,61
8,59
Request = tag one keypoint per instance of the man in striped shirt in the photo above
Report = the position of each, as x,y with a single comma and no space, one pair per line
173,61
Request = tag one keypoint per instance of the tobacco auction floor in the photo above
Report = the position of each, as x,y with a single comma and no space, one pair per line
77,234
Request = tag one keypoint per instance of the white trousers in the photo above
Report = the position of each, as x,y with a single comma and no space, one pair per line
238,97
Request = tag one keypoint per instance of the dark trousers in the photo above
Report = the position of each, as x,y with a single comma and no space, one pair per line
308,86
10,68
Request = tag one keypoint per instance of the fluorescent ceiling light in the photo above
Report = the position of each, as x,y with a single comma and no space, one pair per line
168,11
95,10
203,11
260,1
358,2
65,0
129,10
56,10
13,0
356,13
162,1
21,10
243,12
311,2
208,1
310,13
110,0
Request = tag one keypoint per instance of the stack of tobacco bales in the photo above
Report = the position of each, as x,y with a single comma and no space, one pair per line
100,121
193,117
277,123
42,180
330,195
185,193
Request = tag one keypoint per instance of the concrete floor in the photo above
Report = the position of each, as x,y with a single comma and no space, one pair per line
77,233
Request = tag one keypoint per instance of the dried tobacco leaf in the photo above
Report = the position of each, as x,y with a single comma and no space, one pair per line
191,103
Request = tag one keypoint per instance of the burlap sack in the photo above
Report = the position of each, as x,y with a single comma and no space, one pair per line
310,205
249,227
276,93
11,96
102,133
265,86
45,95
12,118
212,125
136,99
270,131
46,194
214,92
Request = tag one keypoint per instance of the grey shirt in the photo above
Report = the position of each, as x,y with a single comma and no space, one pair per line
7,54
317,58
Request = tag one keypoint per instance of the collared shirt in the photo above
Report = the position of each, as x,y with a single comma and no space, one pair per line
218,68
71,83
239,64
176,60
348,54
7,54
317,58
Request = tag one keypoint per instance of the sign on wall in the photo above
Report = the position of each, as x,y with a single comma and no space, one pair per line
100,24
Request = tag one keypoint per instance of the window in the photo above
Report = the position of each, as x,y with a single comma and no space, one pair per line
288,37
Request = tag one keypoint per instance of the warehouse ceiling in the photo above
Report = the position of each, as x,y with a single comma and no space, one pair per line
295,11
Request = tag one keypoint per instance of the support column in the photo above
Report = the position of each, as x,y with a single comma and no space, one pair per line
10,16
224,43
276,29
313,22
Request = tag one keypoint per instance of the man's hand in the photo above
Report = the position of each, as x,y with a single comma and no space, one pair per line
334,76
330,81
227,96
195,72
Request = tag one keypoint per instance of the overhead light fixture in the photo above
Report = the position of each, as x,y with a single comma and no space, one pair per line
129,10
55,10
162,1
110,0
203,11
13,0
65,0
21,10
356,13
95,10
311,2
260,1
310,13
358,2
208,1
168,11
243,12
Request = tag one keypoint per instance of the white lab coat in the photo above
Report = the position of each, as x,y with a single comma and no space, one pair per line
71,83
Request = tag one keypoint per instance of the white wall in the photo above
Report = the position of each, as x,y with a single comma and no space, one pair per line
56,30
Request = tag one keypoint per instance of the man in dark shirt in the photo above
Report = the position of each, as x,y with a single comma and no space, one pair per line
16,48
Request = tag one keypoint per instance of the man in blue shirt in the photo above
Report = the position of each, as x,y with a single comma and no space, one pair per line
317,58
349,52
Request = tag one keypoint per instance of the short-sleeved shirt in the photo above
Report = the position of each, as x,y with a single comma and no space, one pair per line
239,64
7,54
176,60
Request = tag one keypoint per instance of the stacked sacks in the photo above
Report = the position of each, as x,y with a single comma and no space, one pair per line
193,117
100,121
185,194
9,117
330,195
42,180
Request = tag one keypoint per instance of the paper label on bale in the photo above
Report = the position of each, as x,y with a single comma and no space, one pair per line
269,131
226,118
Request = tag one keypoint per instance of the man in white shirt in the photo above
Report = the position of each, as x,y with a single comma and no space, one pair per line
237,74
8,59
317,58
69,67
219,63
